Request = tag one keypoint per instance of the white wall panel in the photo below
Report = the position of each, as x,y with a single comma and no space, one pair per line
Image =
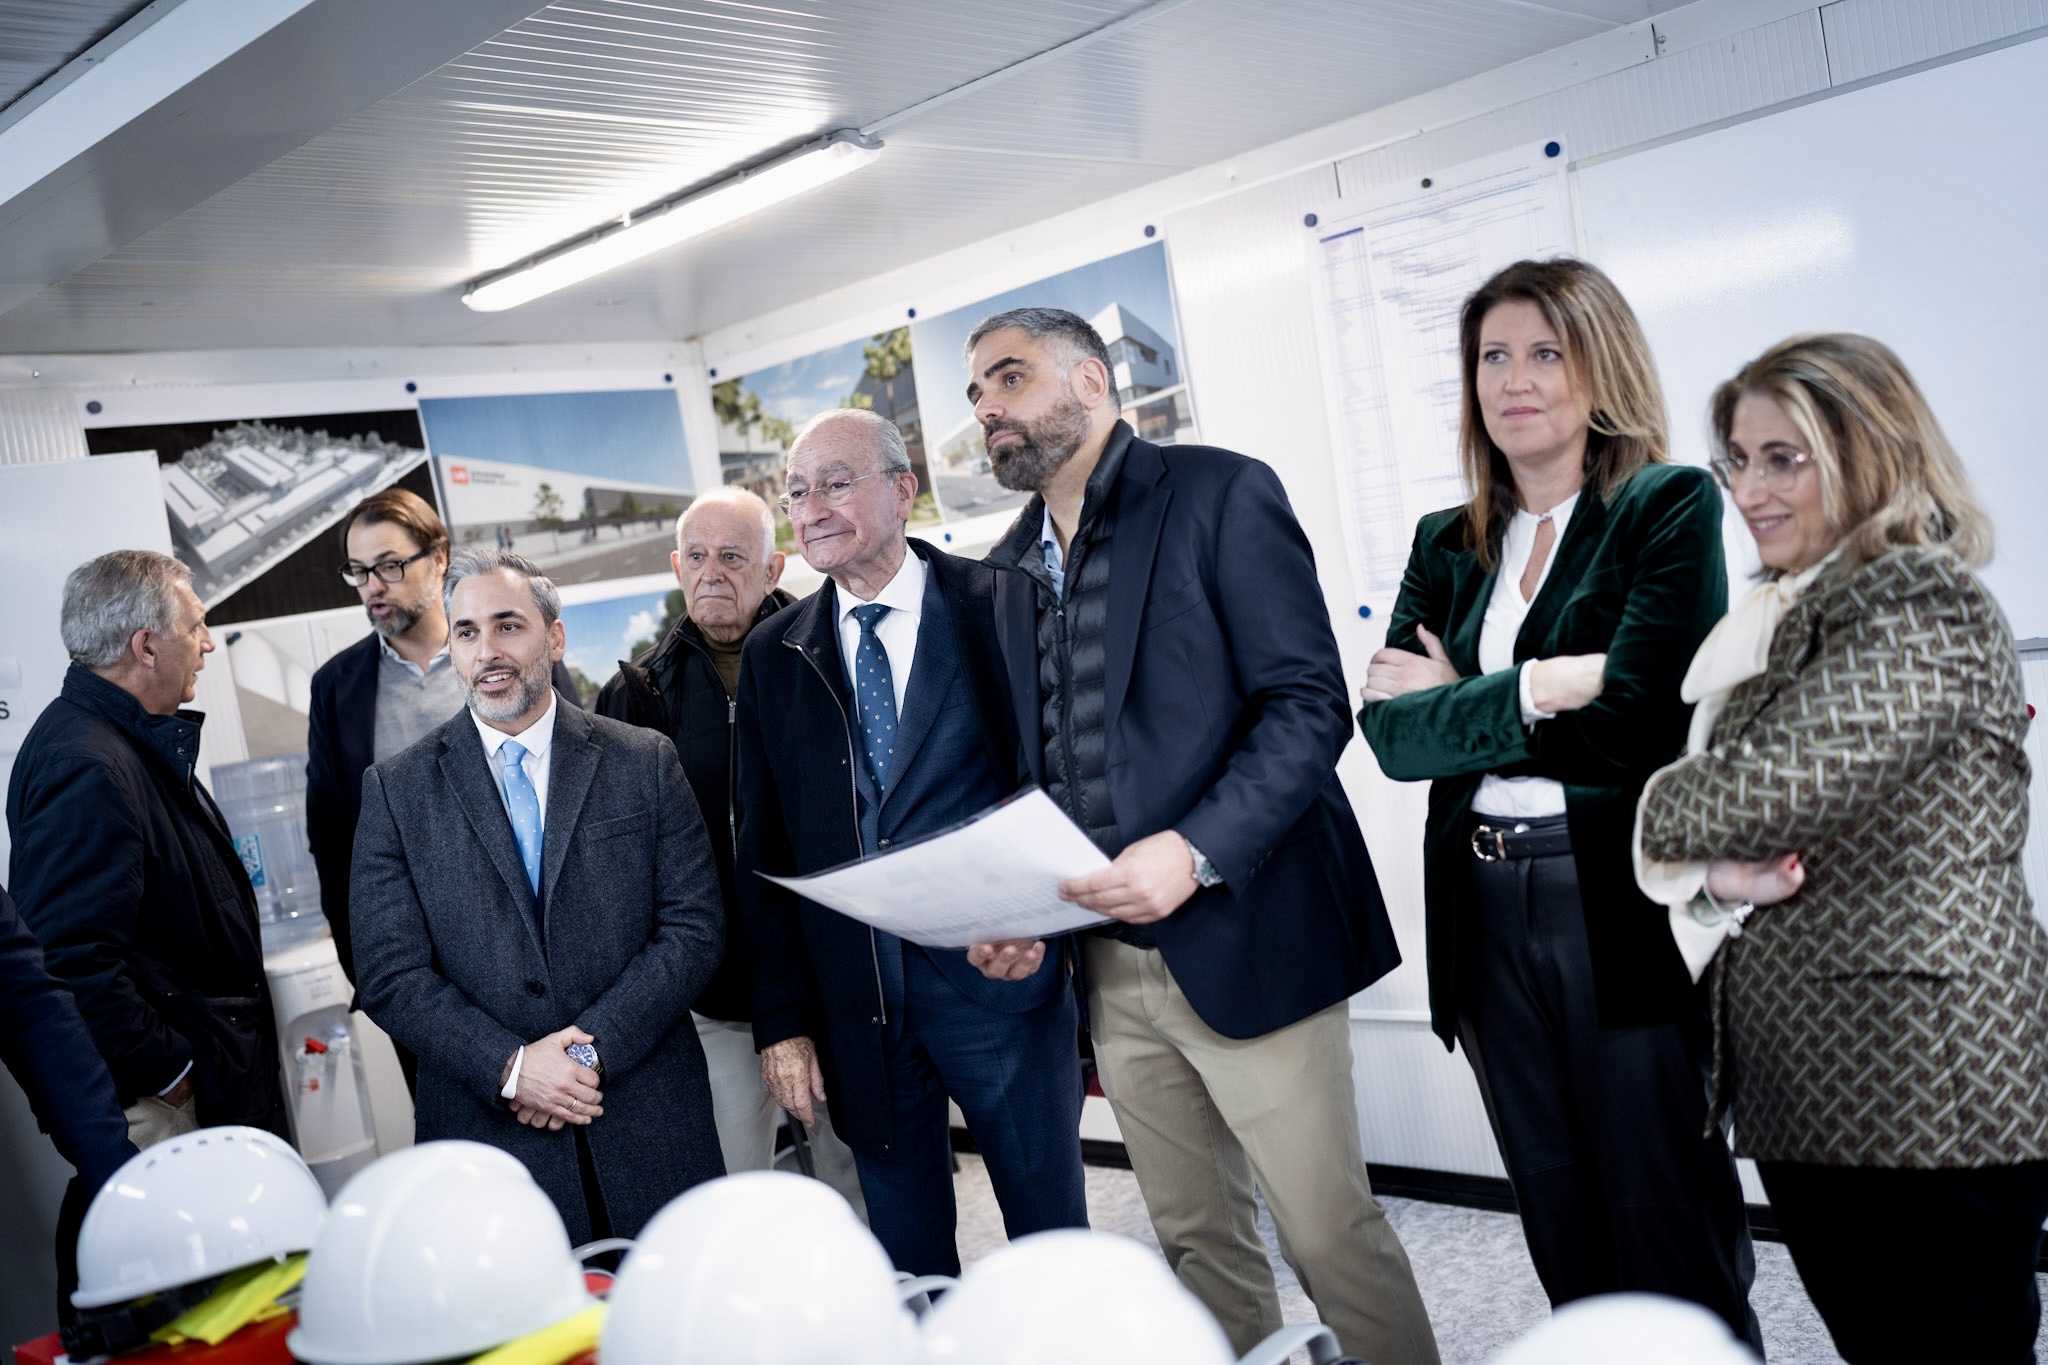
2034,678
1870,37
38,425
1241,287
1677,93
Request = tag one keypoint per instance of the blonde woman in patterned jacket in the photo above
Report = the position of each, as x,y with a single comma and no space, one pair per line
1851,817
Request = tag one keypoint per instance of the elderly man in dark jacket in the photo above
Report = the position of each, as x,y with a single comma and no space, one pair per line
873,712
684,685
125,870
535,906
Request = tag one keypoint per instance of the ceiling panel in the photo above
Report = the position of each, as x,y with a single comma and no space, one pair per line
366,235
37,37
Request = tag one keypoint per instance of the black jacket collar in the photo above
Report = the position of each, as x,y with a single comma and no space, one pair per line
173,740
661,659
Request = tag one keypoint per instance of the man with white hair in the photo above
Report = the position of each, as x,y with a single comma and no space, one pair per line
871,713
684,685
124,868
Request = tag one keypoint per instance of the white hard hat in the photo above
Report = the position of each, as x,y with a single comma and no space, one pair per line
1629,1329
192,1208
1073,1298
441,1250
765,1267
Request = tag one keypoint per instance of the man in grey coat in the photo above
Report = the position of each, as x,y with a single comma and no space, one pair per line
535,907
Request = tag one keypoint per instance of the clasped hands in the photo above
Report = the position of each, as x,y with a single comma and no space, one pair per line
1568,682
1145,883
553,1088
1765,882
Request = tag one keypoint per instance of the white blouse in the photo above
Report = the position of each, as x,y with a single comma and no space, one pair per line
1518,798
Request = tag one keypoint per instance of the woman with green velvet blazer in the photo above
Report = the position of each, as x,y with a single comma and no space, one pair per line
1531,674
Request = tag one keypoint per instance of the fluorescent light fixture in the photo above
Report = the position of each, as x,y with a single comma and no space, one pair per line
691,214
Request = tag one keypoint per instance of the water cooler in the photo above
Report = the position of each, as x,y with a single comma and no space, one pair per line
327,1096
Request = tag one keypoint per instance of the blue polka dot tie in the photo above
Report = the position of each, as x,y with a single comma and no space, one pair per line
874,694
524,807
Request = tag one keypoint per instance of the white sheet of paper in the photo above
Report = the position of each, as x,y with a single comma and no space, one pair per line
995,877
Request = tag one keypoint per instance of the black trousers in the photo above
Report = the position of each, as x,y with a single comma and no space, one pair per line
1601,1129
70,1219
1917,1265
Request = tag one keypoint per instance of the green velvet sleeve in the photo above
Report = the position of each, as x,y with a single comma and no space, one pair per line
1473,725
1678,589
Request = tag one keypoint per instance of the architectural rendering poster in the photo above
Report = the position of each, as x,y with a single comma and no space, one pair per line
274,660
759,413
1128,299
601,631
252,503
587,485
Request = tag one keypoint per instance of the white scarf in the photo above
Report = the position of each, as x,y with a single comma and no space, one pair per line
1737,649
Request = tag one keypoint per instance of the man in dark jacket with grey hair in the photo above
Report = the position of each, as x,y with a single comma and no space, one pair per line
124,867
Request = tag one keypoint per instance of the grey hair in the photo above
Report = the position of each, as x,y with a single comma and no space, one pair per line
470,561
106,600
743,499
1071,337
888,440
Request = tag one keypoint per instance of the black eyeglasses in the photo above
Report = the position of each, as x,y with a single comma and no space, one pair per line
390,570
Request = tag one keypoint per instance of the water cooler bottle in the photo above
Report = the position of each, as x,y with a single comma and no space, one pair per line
327,1098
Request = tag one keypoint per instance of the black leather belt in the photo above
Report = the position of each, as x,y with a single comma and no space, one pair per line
1495,838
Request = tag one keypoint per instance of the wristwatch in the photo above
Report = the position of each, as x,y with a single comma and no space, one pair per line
1205,871
583,1054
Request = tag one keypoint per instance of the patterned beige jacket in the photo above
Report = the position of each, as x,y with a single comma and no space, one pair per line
1895,1011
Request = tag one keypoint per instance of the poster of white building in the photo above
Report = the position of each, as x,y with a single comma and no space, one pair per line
587,485
251,502
760,413
1127,299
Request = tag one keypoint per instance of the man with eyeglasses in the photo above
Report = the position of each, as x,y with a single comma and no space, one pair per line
383,693
871,713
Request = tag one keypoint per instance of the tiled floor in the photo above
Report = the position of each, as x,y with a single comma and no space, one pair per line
1472,1266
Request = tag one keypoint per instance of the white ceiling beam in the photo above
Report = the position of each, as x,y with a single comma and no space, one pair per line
166,113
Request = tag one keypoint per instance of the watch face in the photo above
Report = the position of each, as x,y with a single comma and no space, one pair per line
583,1054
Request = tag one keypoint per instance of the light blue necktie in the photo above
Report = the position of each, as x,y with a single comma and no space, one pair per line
524,806
874,694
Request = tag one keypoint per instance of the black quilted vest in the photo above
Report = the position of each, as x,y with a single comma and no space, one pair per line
1071,656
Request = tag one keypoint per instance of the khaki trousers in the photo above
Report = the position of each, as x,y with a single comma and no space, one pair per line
1206,1118
747,1116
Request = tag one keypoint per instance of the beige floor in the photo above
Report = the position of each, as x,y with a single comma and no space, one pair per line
1472,1266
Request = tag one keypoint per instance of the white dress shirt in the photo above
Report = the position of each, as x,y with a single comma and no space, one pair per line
538,740
1518,798
903,595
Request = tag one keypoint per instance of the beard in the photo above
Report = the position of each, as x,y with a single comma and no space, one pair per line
397,622
1043,446
534,681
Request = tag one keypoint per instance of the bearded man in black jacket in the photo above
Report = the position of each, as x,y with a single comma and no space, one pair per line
727,568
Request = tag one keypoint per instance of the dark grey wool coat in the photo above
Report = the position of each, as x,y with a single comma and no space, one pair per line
453,961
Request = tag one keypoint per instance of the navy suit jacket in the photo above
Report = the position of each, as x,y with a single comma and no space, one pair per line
341,736
818,974
1224,712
